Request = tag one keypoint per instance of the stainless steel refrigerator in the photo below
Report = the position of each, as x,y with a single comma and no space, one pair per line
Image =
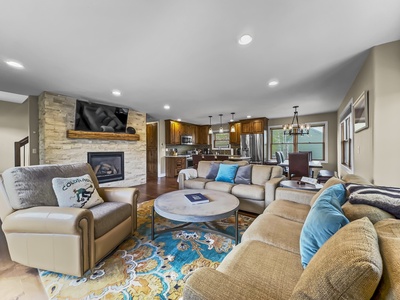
254,146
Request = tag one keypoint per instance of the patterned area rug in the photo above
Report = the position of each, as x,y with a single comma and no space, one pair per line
143,269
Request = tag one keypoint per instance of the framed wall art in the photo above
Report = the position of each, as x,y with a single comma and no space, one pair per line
360,108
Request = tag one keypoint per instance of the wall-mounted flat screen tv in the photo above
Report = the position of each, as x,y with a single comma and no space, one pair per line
98,117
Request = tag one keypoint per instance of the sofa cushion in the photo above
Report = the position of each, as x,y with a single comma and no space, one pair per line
348,266
357,211
213,172
329,183
383,197
324,220
289,210
219,186
203,168
264,266
196,183
108,215
276,231
253,191
243,175
260,174
76,192
389,245
21,183
227,173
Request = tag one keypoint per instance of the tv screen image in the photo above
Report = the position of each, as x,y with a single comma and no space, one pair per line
99,117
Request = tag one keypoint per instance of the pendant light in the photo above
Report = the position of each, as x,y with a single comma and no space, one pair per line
210,130
221,129
232,120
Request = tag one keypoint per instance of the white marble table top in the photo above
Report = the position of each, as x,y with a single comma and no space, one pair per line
175,206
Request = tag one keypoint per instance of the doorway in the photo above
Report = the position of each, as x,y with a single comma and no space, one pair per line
152,150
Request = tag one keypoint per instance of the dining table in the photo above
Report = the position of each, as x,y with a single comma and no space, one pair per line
313,164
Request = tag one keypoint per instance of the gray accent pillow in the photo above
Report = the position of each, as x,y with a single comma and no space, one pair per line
77,192
212,173
243,175
383,197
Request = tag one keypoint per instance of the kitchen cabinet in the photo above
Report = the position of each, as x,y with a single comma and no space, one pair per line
234,137
174,165
202,135
254,125
173,131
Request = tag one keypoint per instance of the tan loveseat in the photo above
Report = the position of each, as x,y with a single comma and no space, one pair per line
253,197
67,240
359,261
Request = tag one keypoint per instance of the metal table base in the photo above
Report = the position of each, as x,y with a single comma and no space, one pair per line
187,227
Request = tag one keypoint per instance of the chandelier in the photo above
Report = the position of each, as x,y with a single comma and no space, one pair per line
296,128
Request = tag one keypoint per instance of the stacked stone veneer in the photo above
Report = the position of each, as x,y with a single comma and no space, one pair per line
57,115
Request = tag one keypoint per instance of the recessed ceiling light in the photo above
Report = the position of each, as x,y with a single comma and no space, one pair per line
167,106
178,120
273,82
248,117
245,39
116,93
14,64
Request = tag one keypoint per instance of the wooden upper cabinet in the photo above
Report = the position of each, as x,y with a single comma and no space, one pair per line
234,137
172,132
254,125
202,135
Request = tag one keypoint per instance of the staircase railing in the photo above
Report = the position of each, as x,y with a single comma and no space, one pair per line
20,147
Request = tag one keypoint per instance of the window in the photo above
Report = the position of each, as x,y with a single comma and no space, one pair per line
313,142
346,134
221,140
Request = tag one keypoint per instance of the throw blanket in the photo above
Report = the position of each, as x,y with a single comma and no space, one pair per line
189,174
383,197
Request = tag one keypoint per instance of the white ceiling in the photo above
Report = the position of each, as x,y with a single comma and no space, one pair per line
185,53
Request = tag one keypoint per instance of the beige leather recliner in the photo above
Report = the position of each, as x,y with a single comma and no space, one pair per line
67,240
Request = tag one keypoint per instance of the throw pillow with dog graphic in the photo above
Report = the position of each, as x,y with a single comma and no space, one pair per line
76,192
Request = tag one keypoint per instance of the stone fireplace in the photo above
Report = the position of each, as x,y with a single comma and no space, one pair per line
57,115
108,166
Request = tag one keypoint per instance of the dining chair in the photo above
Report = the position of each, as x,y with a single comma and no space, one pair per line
279,160
298,165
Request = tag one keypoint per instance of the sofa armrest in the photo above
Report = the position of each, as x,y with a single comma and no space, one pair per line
270,187
186,173
123,195
299,196
207,283
181,181
51,220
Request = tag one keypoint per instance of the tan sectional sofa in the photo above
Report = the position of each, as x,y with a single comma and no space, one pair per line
253,197
360,261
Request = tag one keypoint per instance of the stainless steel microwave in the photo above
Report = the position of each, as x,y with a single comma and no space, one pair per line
186,140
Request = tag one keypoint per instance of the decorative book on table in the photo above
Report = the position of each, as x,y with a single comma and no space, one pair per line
197,198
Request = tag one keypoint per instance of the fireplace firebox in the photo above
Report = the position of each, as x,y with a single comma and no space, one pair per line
108,166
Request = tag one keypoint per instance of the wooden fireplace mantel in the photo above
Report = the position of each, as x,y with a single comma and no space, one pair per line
78,134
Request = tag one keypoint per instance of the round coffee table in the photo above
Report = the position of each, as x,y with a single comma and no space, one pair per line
293,184
175,206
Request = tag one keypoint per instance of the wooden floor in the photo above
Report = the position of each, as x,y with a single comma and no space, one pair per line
20,282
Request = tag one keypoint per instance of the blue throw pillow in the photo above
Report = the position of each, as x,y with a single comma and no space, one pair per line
324,220
227,173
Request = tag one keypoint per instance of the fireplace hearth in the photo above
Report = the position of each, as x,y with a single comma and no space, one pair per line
108,166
